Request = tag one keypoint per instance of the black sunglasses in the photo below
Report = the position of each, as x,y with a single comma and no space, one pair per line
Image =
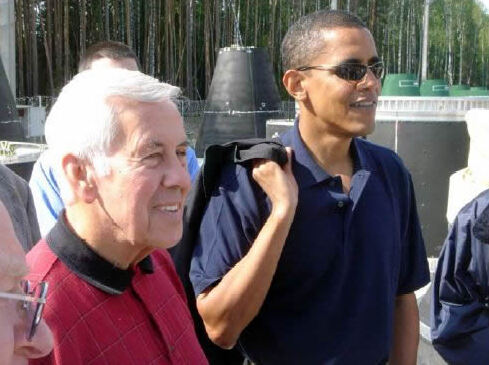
349,71
33,300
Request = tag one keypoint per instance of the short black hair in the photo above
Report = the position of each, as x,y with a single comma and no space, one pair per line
106,49
304,41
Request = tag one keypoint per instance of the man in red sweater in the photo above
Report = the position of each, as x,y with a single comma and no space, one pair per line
114,295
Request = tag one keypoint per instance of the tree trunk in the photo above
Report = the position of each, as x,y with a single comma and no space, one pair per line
448,30
66,35
190,45
107,20
271,34
373,15
115,21
217,19
128,11
58,43
20,47
207,44
83,26
460,29
399,50
33,40
47,51
151,38
255,42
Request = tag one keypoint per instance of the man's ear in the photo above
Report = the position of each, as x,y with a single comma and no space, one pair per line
79,176
293,81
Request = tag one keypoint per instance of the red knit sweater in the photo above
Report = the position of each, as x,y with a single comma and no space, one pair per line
148,323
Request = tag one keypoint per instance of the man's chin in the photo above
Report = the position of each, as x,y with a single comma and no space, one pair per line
364,129
169,241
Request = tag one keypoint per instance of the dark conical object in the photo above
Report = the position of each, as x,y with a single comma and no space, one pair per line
242,97
10,126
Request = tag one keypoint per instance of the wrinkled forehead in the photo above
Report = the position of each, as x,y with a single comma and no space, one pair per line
121,103
138,121
347,42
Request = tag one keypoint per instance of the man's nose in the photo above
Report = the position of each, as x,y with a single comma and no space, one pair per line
369,80
40,345
177,175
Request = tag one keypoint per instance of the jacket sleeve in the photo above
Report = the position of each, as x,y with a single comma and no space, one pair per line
460,303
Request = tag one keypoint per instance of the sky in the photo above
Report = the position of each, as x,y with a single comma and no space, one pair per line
486,4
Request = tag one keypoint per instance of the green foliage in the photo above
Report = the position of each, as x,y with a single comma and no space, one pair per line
160,33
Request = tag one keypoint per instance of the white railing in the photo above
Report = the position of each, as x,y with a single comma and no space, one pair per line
415,108
428,108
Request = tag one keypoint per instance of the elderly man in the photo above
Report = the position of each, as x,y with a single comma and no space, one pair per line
114,294
316,262
44,179
22,335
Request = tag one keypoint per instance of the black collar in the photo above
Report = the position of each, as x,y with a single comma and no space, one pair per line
87,264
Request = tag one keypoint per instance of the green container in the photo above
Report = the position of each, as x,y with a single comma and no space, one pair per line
479,91
459,90
400,85
435,87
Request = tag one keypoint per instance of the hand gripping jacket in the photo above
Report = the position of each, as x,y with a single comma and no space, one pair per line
216,156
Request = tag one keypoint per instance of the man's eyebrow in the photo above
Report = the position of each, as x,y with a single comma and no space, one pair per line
184,144
152,145
351,60
374,60
149,145
371,61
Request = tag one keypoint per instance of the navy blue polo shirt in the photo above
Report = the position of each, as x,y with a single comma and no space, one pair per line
346,258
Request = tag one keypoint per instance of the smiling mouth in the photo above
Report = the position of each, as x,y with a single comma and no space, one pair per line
364,104
170,208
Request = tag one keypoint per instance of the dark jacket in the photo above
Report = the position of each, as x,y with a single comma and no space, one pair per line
216,156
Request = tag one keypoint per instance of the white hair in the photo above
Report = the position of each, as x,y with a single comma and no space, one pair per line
84,122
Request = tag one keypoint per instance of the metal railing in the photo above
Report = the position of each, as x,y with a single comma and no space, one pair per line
433,108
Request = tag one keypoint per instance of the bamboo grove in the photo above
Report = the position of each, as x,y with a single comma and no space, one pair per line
178,40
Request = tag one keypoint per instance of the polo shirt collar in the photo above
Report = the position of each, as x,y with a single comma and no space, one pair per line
87,264
308,172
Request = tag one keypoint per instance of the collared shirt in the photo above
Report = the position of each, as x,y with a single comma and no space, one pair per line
460,299
44,184
100,314
346,258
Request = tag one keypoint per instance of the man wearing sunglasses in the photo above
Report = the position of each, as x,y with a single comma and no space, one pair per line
23,333
317,262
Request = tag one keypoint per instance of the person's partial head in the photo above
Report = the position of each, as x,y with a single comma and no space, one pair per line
15,319
121,145
332,69
108,54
